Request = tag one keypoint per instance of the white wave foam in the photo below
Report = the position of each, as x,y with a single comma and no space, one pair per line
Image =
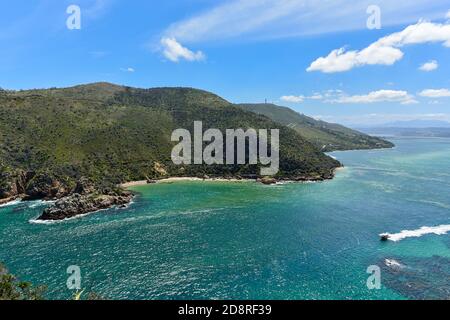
39,203
29,204
439,230
50,222
8,204
393,264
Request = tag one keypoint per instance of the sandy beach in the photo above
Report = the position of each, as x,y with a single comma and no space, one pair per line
178,179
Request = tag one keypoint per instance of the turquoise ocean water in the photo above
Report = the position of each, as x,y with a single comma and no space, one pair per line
215,240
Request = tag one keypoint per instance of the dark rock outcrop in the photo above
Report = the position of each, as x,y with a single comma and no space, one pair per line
45,186
268,180
12,183
84,186
78,204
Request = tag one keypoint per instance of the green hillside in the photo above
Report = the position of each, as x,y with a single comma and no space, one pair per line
324,135
111,134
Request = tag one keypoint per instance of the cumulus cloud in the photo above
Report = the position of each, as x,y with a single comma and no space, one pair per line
385,51
435,93
316,96
448,14
402,97
293,99
175,52
429,66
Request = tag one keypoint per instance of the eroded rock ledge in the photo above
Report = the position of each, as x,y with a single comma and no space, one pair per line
78,204
73,198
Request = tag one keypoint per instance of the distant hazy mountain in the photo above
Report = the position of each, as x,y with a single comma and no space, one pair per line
408,132
324,135
417,124
413,128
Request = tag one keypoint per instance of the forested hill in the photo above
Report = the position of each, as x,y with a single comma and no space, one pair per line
109,134
324,135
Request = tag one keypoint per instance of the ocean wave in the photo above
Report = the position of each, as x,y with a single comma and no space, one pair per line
394,264
8,204
29,204
434,203
439,230
39,203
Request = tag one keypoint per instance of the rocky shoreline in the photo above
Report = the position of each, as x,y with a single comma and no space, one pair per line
72,200
77,204
253,178
86,198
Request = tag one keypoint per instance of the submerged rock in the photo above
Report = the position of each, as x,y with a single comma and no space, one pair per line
418,278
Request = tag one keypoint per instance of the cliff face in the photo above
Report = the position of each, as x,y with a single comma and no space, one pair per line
72,199
31,186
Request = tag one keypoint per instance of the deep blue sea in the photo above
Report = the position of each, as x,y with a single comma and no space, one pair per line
243,240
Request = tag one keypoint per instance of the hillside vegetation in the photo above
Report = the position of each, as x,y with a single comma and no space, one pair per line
111,134
325,136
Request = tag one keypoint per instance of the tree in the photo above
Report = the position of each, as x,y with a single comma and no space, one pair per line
13,289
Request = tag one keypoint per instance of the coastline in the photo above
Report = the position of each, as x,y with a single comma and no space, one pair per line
13,200
9,201
179,179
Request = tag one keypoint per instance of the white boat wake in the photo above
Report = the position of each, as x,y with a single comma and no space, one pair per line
439,230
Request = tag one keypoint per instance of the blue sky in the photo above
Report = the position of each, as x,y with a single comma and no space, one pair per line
318,57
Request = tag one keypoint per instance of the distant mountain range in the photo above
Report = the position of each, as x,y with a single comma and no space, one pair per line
416,124
413,128
325,136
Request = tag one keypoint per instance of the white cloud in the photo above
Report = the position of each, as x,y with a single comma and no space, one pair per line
267,19
128,69
385,51
175,52
98,54
316,96
429,66
435,93
402,97
448,15
95,8
293,99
